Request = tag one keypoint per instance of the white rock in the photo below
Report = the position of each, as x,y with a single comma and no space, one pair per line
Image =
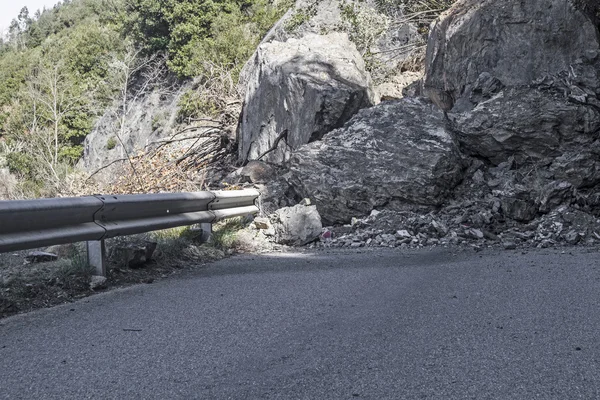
403,233
98,282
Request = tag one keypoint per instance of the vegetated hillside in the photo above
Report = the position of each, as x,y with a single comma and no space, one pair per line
62,68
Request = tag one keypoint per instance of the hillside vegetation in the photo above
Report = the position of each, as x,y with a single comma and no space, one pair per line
61,68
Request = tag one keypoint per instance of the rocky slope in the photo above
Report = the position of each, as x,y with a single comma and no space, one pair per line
126,129
503,147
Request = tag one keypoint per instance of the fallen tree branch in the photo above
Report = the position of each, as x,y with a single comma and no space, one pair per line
275,143
104,167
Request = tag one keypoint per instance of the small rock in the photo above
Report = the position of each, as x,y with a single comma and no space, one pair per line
134,255
62,250
40,256
544,244
476,233
509,245
98,282
478,177
374,213
519,210
439,227
496,206
262,223
388,238
297,225
572,237
401,234
490,236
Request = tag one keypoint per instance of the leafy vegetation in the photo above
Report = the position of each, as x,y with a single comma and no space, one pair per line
200,32
55,79
300,16
111,143
60,69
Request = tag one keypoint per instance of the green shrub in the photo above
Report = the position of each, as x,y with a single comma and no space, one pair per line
155,122
363,24
197,32
111,143
194,103
70,154
20,163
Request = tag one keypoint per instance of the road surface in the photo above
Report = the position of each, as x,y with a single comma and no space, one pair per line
427,324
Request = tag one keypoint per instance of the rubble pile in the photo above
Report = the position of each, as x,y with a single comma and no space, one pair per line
482,214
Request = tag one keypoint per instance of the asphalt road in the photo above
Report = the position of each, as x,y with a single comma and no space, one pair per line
425,324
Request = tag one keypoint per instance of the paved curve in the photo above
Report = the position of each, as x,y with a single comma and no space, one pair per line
371,325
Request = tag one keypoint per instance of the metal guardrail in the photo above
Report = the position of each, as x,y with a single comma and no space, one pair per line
26,224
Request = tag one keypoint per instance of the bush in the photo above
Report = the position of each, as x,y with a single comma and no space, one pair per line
111,143
20,164
194,103
300,16
70,154
198,31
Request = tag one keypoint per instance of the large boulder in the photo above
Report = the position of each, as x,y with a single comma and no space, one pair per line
529,124
381,32
521,80
297,92
395,155
516,42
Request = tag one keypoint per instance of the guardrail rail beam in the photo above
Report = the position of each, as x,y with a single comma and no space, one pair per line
27,224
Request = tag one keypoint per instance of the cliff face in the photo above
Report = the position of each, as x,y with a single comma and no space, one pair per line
127,129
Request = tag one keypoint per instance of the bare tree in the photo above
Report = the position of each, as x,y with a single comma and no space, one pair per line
134,76
53,97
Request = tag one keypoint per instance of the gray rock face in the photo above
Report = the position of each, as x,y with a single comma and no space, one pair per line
580,168
296,225
379,30
392,155
528,124
304,18
148,120
521,81
257,172
515,42
297,92
98,282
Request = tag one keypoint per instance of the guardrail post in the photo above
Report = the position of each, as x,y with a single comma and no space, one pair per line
96,253
206,229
